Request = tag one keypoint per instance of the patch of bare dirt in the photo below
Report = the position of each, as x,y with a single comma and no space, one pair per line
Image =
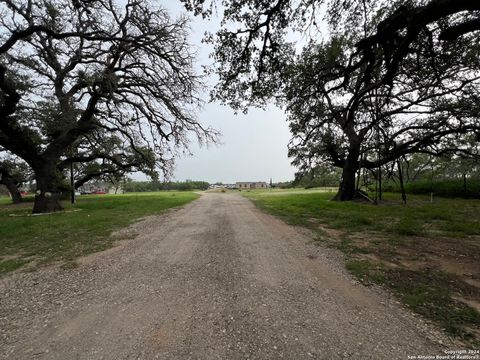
334,233
459,256
470,302
415,265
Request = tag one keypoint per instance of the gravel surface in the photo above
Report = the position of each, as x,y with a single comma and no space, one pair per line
217,279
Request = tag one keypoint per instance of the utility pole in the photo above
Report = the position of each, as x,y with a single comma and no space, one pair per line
72,184
400,178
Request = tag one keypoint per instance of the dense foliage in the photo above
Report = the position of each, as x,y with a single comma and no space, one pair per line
449,188
95,82
376,81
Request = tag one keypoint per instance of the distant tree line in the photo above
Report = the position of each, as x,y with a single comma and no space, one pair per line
442,176
421,174
319,176
148,186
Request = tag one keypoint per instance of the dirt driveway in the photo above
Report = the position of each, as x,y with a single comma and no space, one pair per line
217,279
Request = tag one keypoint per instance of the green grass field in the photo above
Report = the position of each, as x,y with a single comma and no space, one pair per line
419,217
32,241
427,253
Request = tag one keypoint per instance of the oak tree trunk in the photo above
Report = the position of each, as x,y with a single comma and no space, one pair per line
12,189
49,190
347,188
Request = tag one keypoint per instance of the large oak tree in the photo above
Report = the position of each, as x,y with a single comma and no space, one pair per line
69,69
425,109
337,98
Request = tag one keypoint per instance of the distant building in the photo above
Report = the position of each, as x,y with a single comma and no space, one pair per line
222,186
251,185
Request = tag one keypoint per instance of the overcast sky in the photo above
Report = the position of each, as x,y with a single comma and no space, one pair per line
254,146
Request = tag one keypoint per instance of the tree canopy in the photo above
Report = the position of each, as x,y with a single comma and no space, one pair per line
377,81
92,81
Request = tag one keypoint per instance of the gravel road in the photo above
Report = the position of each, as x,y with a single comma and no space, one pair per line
217,279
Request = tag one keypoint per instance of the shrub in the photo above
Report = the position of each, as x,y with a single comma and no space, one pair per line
445,188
